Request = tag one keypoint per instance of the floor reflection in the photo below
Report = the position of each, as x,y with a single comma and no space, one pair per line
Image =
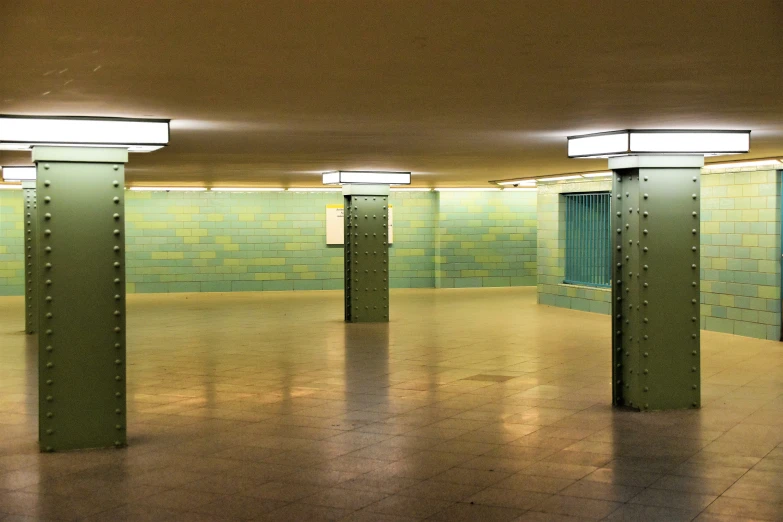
470,405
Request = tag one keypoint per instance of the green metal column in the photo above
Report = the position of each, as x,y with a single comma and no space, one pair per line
655,288
30,242
366,253
81,273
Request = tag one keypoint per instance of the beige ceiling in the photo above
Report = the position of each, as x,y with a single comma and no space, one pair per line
459,92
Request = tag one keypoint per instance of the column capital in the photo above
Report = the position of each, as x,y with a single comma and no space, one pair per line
365,190
81,154
657,161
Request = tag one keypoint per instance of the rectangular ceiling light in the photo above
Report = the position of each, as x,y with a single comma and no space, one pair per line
520,189
169,189
136,135
343,177
655,141
774,163
10,187
604,174
467,189
315,189
18,173
560,178
414,189
240,189
603,144
517,182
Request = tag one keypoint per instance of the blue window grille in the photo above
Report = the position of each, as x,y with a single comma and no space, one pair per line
588,246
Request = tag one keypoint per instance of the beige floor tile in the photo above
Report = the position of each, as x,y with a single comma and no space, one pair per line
463,512
238,407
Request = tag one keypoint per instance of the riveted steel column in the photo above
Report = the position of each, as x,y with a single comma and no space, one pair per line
30,242
81,269
655,288
366,253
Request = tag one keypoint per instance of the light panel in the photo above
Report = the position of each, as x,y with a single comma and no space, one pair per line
604,174
345,177
18,173
10,187
411,189
598,145
315,189
560,178
253,189
672,142
169,189
654,141
467,189
525,181
25,132
520,189
774,163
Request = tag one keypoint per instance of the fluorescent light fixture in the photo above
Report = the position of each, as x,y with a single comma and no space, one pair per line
344,177
10,187
604,174
240,189
315,189
525,181
520,189
467,189
136,135
775,163
560,178
18,173
411,189
598,145
654,141
169,189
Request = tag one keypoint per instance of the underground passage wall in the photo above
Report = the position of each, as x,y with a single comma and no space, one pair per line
211,241
253,241
740,252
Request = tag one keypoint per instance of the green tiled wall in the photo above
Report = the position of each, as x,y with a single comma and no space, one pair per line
412,255
486,239
210,241
551,251
222,241
233,241
740,253
11,243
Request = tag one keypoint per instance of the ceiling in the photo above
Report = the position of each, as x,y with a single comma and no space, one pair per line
460,92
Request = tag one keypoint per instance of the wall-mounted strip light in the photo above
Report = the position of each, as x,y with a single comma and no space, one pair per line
241,189
516,182
18,173
655,141
775,163
604,174
315,189
416,189
520,189
4,186
169,189
137,135
560,178
467,189
343,177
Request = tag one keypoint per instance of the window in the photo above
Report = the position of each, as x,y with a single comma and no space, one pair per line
588,246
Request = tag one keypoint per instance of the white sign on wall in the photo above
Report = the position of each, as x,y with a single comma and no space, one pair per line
335,225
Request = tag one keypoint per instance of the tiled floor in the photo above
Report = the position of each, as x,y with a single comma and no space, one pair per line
471,405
